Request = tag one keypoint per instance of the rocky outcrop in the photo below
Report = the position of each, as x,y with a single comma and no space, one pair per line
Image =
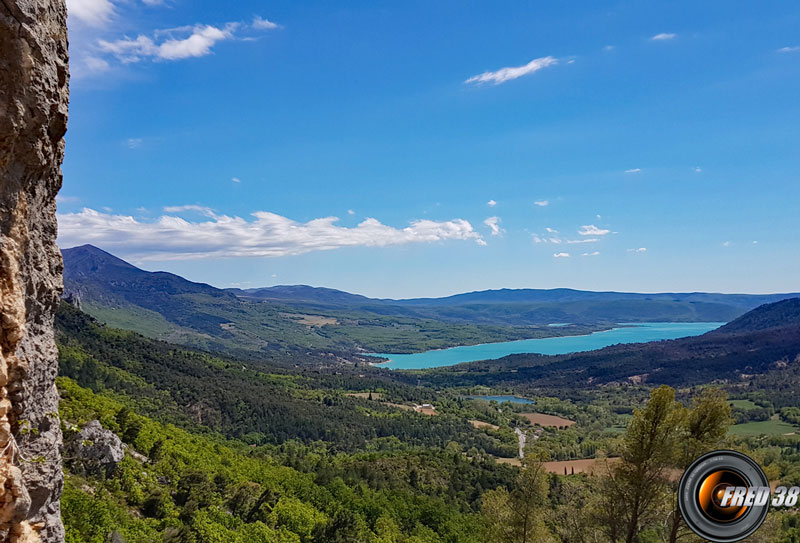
33,120
94,449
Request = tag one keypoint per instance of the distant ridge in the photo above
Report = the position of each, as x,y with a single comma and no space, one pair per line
89,262
302,293
506,296
527,295
166,306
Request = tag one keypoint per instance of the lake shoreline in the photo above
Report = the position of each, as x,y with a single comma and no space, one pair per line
623,333
621,325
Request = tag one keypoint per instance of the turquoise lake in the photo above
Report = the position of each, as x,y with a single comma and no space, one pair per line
501,399
633,333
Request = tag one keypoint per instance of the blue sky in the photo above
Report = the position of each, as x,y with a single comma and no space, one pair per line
637,146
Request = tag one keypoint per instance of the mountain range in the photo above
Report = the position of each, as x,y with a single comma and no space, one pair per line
294,318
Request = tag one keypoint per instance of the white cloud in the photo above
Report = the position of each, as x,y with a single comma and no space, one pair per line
698,169
351,212
594,253
494,225
592,230
507,74
203,210
171,237
586,230
755,242
481,242
727,244
541,203
664,36
95,64
609,48
91,12
63,199
198,44
170,44
260,23
792,49
130,50
639,250
560,255
491,203
236,180
552,239
133,143
634,170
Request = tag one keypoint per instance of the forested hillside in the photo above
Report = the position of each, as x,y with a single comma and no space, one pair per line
251,401
199,487
219,450
216,449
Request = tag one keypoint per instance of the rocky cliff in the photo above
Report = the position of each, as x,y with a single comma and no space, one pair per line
33,119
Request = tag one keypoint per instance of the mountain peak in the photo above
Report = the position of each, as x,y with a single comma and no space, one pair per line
88,259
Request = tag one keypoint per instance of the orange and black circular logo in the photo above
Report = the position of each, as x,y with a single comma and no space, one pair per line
724,496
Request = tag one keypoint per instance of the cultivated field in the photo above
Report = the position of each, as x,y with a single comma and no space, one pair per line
481,424
541,419
770,427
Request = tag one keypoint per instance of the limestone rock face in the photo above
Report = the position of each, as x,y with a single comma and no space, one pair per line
33,119
95,449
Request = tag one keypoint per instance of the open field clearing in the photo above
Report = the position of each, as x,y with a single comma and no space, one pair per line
481,424
541,419
772,427
314,320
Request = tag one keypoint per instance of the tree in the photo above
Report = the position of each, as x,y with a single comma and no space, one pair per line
345,527
387,531
570,517
301,518
518,516
604,507
637,487
704,428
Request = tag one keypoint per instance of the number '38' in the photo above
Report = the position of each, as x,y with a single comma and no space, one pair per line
785,497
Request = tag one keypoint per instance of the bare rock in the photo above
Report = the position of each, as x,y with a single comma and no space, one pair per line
94,449
33,119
